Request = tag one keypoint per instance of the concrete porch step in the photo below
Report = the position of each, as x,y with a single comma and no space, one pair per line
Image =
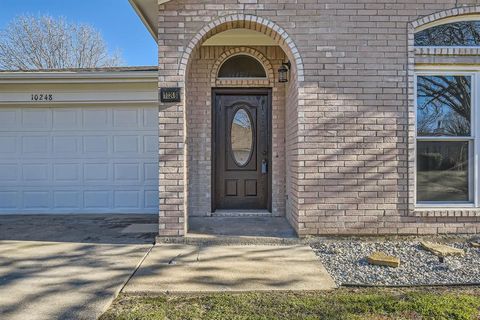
216,240
246,226
242,213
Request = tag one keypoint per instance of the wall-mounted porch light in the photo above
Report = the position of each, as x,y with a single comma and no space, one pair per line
283,72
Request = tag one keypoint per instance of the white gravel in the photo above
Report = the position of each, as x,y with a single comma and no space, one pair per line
346,262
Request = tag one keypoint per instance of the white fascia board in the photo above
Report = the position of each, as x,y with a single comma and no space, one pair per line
73,77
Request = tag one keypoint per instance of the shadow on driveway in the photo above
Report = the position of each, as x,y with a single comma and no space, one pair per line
66,267
86,228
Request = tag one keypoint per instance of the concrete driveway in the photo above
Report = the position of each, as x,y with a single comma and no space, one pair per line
68,267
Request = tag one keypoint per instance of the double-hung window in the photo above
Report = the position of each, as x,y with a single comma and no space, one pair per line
448,118
447,139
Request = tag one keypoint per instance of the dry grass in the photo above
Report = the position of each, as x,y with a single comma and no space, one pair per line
435,304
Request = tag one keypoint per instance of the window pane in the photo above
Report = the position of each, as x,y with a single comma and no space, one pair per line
443,105
241,135
242,66
462,33
442,171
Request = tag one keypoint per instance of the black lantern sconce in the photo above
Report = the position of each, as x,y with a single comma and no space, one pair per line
283,72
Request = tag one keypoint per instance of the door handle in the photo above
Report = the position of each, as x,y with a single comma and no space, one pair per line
264,166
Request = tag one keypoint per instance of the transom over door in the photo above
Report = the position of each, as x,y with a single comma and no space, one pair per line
241,151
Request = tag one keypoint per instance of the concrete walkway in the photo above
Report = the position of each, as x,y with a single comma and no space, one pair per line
196,268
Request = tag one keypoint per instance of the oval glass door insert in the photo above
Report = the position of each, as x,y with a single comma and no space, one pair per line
241,135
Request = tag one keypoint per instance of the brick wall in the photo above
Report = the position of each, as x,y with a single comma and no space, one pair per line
348,135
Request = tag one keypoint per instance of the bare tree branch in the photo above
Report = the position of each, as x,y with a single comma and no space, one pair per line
30,43
460,33
444,105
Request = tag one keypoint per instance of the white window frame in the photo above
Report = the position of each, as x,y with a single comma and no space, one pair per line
474,139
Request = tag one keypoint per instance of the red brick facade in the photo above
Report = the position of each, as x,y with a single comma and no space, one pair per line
343,126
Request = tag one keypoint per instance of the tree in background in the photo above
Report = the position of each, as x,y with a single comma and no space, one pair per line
460,33
444,105
44,42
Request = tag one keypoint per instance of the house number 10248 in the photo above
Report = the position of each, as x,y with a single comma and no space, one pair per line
42,97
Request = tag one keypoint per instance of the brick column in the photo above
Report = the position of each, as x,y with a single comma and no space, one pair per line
172,182
171,171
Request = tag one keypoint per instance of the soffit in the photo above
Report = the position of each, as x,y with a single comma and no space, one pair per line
147,10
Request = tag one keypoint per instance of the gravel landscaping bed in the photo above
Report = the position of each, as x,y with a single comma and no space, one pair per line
346,261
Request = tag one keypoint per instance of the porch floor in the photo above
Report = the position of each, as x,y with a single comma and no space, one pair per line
248,226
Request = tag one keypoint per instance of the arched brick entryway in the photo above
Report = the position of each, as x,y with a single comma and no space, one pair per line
241,21
176,158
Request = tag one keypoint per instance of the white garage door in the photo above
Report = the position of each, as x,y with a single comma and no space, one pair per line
79,160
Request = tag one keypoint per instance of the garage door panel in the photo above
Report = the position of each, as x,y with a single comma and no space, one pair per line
96,172
66,119
36,199
8,172
36,118
126,144
150,119
35,144
95,118
79,160
9,199
126,172
66,199
126,199
150,172
64,145
8,145
126,118
150,143
37,172
66,172
97,200
151,199
96,144
9,119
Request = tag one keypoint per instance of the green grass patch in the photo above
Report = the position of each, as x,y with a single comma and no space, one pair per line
341,304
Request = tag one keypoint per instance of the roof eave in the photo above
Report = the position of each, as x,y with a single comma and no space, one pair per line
149,23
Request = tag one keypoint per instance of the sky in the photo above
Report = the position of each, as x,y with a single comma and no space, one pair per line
120,26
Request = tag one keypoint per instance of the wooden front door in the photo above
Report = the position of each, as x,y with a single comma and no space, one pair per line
241,150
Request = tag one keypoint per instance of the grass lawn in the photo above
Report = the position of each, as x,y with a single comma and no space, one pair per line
368,304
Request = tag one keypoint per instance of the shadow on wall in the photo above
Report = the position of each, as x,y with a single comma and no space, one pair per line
369,180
